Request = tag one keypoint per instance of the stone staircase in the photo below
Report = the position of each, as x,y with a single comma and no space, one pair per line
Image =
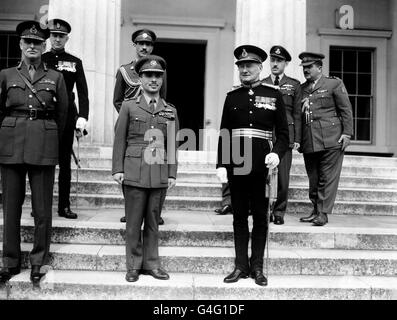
352,257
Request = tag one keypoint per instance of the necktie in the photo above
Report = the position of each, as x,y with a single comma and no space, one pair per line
277,81
152,105
32,71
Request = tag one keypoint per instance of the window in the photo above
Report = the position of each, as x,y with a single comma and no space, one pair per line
355,67
10,54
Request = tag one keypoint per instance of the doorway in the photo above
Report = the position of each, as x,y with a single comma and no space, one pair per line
185,80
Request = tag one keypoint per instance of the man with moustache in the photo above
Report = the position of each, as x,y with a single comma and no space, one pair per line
326,133
33,108
250,114
144,163
73,72
128,84
290,89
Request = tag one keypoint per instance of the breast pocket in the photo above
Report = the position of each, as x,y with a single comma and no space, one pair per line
132,163
7,133
50,139
15,93
288,97
47,92
138,125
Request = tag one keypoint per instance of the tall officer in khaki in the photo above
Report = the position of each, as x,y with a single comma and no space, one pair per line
290,89
326,131
73,72
144,162
33,121
128,83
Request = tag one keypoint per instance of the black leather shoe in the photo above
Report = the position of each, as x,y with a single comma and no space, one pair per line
320,220
278,220
157,274
67,213
35,275
260,279
224,210
123,219
310,218
161,221
271,219
235,276
132,275
31,214
7,273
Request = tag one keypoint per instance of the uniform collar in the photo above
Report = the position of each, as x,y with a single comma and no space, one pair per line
58,51
273,77
148,99
252,85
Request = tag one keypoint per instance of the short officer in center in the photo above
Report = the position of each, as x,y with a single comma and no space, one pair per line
290,89
250,114
144,162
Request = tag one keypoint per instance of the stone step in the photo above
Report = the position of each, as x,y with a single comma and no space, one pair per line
186,189
286,261
95,285
98,174
202,229
210,203
203,157
299,168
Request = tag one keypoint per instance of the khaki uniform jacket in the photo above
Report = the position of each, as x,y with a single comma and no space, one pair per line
291,91
330,115
25,141
145,143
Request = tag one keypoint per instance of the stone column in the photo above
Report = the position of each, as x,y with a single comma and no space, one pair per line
392,83
95,39
270,22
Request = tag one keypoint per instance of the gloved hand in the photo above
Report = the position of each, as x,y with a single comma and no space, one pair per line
81,123
221,173
272,160
345,140
118,177
171,183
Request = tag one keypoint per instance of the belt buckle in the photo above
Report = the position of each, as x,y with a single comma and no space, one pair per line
32,114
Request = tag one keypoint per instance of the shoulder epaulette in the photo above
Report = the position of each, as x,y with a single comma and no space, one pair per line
296,80
234,88
270,86
333,77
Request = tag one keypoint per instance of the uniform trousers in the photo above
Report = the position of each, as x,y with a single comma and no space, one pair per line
143,205
41,180
65,153
284,169
248,193
323,169
226,199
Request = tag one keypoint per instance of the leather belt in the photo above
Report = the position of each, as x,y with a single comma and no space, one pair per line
253,133
31,114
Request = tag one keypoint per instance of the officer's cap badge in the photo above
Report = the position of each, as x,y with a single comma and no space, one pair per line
153,63
244,54
278,51
33,29
144,35
58,26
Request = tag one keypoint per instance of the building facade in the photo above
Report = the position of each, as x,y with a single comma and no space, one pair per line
197,39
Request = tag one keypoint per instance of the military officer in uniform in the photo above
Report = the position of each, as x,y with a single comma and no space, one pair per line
326,131
144,162
34,106
250,114
127,79
290,89
73,72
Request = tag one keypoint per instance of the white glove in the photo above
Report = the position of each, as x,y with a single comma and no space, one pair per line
81,123
221,173
272,160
